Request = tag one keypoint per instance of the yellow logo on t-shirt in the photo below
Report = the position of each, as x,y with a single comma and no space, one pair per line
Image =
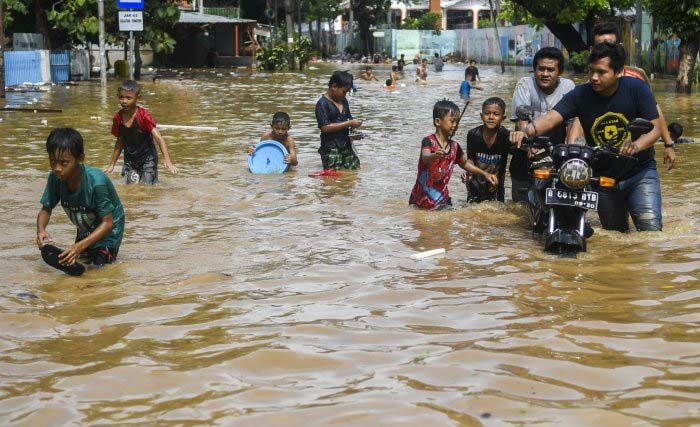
610,128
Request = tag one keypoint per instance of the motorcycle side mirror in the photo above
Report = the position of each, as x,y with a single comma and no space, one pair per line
639,127
524,112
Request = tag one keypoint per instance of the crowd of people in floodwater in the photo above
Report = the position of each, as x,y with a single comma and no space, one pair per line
597,112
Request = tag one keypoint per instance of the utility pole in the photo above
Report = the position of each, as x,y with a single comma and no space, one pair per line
351,25
2,49
498,39
638,34
289,22
103,56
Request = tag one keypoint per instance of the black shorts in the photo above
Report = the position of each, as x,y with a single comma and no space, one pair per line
146,172
101,256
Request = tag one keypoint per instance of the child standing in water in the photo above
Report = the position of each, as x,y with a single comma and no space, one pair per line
135,130
422,72
335,121
487,153
279,131
88,198
466,87
438,155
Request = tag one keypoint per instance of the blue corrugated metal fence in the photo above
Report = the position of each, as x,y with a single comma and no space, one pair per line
60,66
22,67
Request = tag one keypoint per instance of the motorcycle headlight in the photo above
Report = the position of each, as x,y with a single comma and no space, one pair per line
575,174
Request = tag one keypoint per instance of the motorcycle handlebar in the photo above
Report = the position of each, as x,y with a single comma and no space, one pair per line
536,142
613,152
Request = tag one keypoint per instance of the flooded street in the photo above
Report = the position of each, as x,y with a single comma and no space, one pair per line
287,300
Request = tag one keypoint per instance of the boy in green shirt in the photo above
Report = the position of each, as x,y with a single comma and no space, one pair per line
88,198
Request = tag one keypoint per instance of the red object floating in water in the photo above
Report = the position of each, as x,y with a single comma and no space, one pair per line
327,172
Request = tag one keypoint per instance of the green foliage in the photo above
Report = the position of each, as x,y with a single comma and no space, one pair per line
485,23
75,22
427,21
322,9
13,7
159,19
76,19
579,61
517,15
681,17
570,11
302,50
273,57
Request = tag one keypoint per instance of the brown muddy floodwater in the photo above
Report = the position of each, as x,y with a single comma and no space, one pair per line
249,300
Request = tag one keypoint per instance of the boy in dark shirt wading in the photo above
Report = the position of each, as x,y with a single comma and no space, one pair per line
335,121
135,130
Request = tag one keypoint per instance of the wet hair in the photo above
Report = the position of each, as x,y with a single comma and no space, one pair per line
341,79
494,100
549,53
675,129
389,82
424,60
444,107
613,51
437,55
130,86
603,28
394,68
281,118
368,68
467,73
61,140
472,61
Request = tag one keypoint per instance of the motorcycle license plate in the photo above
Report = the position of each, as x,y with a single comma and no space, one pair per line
581,199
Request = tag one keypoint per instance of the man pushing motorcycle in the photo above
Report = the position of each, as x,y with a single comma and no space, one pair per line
604,106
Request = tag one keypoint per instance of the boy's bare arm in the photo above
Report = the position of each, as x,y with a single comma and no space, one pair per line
469,166
164,149
337,127
42,221
291,158
427,157
118,147
70,255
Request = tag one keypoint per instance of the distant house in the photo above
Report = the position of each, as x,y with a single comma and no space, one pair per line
456,14
212,36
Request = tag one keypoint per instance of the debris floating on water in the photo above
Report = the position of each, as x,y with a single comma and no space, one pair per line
427,254
209,128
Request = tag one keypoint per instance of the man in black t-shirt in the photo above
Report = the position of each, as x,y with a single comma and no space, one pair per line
605,105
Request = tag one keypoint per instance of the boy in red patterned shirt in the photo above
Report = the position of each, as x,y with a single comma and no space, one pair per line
135,130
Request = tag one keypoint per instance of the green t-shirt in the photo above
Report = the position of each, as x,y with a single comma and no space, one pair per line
94,199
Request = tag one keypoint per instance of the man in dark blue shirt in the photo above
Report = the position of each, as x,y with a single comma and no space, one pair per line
605,105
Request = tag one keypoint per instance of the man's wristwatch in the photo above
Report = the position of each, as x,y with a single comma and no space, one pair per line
671,145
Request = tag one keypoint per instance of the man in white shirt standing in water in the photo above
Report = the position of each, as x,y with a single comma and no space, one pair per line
541,92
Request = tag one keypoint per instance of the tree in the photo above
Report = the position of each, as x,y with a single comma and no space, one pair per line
322,10
74,22
427,21
368,13
559,15
683,18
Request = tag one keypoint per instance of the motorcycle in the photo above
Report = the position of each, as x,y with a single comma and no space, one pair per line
561,193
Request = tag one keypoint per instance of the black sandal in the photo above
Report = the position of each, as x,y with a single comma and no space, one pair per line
50,255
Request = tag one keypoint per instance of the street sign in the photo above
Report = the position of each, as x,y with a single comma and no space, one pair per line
130,4
130,20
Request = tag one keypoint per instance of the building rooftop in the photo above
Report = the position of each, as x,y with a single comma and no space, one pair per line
203,18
